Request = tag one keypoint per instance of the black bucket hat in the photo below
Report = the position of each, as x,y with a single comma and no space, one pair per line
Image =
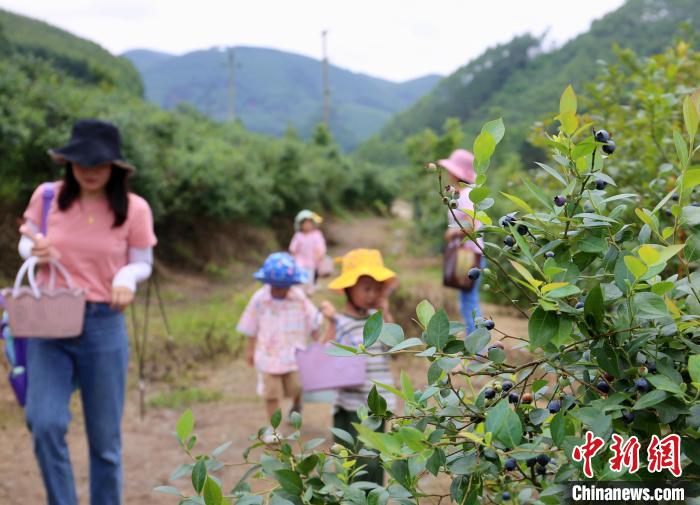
92,142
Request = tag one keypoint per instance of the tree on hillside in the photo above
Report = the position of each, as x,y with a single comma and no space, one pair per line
4,43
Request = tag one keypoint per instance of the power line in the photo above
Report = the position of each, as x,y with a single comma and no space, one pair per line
231,84
326,90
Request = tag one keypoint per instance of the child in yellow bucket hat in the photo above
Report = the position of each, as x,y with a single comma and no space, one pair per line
367,284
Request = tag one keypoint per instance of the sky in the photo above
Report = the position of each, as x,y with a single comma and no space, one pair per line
393,39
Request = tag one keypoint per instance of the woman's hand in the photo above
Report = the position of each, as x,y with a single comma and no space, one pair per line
121,297
42,249
453,233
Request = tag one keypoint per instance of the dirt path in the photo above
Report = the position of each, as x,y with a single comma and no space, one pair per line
151,453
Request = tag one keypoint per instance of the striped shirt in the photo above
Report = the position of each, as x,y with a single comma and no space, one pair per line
349,331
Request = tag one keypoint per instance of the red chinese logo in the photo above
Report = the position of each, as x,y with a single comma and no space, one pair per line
587,451
626,454
665,454
662,454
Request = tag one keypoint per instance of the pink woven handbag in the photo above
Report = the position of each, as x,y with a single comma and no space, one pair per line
319,370
44,312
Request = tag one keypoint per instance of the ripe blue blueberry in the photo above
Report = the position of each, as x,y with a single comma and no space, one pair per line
489,393
609,147
642,385
522,229
628,416
506,495
531,462
507,385
600,184
579,306
554,406
474,273
509,241
543,459
506,220
559,201
489,324
510,464
603,386
549,254
513,397
602,136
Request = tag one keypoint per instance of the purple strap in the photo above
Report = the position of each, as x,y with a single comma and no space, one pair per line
47,197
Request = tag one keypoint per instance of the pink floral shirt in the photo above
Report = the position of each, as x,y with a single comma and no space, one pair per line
280,327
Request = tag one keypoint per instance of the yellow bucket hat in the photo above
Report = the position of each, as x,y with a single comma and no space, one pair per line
359,262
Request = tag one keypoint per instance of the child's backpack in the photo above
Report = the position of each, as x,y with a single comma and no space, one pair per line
16,348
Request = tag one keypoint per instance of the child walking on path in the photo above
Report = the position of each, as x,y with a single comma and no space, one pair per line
308,246
278,320
366,283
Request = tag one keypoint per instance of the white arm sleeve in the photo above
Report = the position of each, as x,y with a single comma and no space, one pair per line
138,270
25,243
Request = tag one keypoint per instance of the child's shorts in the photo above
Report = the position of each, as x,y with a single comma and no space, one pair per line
277,386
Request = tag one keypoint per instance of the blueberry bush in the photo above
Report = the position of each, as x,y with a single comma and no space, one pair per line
613,308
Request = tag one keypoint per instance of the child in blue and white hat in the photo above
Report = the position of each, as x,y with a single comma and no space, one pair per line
278,320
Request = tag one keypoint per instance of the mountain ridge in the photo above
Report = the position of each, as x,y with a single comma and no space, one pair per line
276,89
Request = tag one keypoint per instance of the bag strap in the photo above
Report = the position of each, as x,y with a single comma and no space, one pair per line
46,198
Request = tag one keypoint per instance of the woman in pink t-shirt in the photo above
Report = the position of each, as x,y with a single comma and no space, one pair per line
460,169
308,246
103,235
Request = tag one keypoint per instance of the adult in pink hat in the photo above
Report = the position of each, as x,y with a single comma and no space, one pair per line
460,166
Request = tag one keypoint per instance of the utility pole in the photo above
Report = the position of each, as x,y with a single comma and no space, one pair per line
326,90
231,84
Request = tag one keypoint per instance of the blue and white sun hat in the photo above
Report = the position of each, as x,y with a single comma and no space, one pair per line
281,271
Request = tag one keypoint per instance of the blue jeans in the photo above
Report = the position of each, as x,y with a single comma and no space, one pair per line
469,303
97,362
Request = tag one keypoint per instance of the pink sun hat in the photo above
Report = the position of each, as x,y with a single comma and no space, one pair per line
460,164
